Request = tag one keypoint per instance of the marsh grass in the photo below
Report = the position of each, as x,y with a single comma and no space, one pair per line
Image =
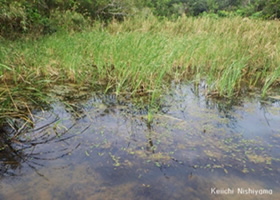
141,56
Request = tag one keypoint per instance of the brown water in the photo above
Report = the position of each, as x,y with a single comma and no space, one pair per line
103,148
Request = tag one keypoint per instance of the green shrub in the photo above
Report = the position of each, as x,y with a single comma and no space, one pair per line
13,17
69,20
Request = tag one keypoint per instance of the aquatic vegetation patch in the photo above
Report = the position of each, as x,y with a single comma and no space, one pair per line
139,58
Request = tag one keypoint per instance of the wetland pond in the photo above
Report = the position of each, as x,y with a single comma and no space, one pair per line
103,148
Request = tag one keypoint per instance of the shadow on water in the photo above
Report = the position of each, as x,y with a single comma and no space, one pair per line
103,148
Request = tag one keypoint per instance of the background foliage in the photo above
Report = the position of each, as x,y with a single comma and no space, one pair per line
47,16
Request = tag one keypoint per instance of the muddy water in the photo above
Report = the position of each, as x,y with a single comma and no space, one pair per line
102,148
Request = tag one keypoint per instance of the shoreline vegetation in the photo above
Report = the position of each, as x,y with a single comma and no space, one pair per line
140,56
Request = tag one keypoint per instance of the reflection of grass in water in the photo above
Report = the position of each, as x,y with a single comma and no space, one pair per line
175,137
215,149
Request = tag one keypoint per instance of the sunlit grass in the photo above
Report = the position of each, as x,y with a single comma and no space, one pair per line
141,56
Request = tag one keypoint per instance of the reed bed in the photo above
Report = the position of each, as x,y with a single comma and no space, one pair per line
141,56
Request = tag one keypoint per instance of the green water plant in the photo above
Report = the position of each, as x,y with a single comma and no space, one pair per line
141,57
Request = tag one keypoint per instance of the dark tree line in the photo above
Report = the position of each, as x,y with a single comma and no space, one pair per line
21,16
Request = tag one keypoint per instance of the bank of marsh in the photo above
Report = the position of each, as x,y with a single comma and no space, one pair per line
140,57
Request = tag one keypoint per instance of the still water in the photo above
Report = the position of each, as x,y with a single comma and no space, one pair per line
103,148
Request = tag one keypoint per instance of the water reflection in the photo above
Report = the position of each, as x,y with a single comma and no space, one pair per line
103,148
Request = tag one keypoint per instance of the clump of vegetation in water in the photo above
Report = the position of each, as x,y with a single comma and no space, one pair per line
141,56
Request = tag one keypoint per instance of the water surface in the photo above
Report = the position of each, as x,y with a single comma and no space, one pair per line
103,148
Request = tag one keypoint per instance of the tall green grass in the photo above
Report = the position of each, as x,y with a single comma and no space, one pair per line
141,56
